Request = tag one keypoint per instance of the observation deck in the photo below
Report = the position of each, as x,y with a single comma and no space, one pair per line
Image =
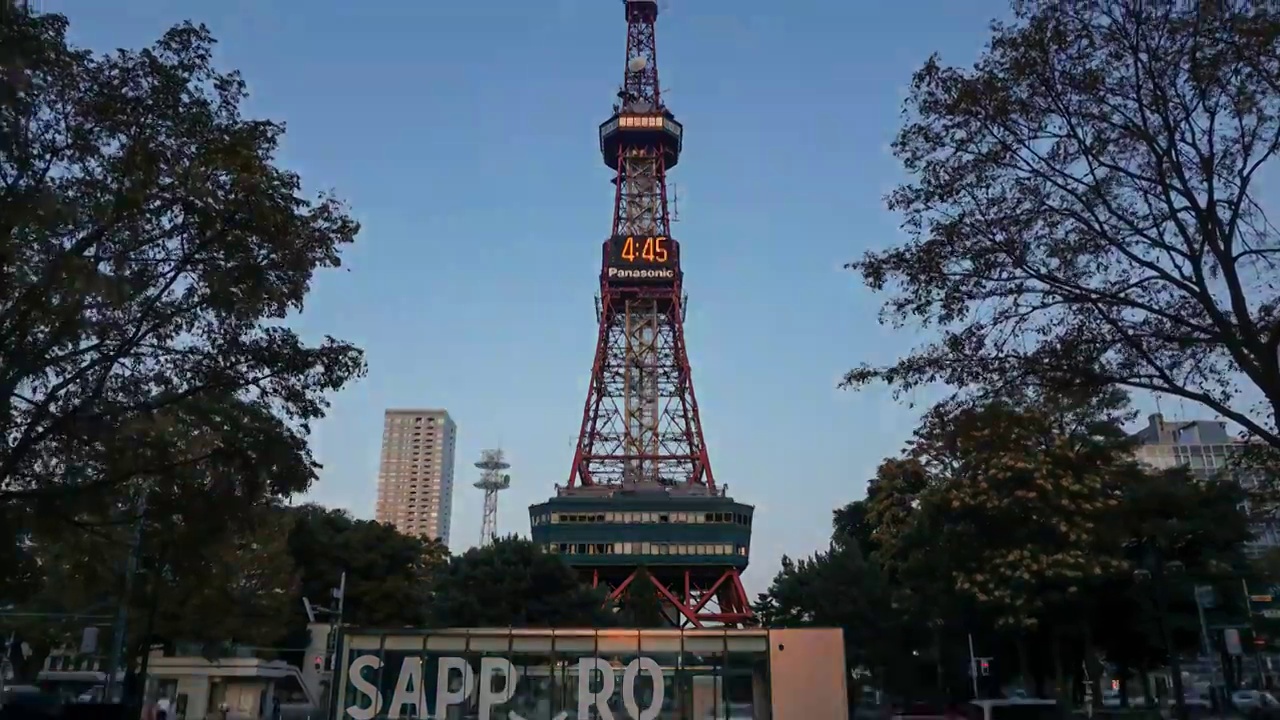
637,126
644,523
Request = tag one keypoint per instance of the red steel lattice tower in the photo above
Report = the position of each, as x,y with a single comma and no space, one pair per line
641,417
641,439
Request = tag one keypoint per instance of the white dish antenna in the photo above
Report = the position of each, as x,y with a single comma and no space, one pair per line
636,64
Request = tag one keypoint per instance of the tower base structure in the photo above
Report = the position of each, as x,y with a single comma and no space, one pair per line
689,542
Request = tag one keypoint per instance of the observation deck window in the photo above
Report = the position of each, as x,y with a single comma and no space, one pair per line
647,517
645,548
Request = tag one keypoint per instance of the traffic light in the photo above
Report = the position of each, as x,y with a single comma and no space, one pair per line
986,668
319,664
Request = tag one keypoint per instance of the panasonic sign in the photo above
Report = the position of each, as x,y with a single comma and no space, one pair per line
641,274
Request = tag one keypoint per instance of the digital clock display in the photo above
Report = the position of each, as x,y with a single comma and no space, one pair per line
635,259
641,260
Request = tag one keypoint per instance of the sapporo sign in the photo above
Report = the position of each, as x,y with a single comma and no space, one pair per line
456,682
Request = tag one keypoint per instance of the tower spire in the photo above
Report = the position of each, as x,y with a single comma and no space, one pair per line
640,206
640,78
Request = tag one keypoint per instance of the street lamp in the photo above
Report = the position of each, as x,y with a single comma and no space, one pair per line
1155,569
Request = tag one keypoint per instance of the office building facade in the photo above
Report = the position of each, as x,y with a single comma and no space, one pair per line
1206,448
415,474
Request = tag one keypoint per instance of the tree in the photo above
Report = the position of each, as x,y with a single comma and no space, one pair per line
201,535
1083,208
835,588
235,589
1178,532
150,252
190,582
196,554
853,526
1025,493
514,583
190,578
841,587
389,574
19,567
1267,566
643,606
1020,523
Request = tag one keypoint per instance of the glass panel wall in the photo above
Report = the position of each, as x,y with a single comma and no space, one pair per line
554,675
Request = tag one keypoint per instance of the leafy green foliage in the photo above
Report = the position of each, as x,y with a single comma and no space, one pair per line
514,583
389,574
151,394
200,577
150,251
1016,506
1020,520
642,605
841,587
1083,208
20,575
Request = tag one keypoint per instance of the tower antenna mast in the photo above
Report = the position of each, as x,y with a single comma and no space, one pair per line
492,480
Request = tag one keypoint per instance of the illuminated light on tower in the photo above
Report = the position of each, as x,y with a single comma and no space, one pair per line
640,491
492,481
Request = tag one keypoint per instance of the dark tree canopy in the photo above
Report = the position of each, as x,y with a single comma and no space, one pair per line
1018,522
20,575
202,578
513,583
389,574
1084,208
642,606
150,254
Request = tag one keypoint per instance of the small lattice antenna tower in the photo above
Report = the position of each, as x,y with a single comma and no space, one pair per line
675,203
492,479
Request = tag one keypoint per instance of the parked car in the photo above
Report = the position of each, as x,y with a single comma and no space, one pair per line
31,701
1256,704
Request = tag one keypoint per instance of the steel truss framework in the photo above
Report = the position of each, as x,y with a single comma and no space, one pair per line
696,598
640,421
489,527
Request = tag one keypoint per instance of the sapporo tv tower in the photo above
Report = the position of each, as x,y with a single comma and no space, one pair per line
641,504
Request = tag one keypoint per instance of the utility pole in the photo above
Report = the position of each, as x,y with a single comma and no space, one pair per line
1205,599
116,659
976,661
339,595
1253,628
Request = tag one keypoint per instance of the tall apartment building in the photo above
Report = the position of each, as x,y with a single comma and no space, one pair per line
1206,447
415,477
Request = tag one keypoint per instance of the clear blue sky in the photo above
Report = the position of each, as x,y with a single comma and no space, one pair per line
464,136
